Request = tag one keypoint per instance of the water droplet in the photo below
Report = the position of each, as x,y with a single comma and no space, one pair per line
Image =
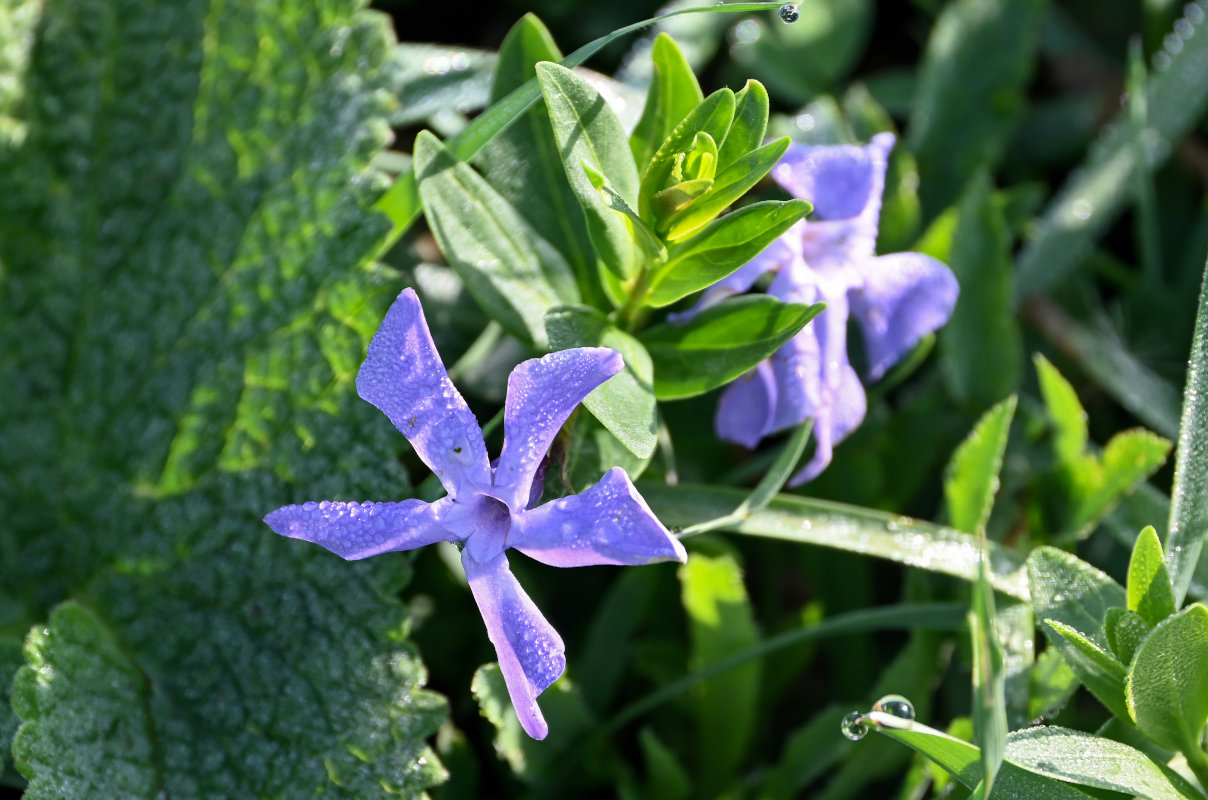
1082,208
1161,61
1193,13
805,122
789,13
895,706
854,727
746,32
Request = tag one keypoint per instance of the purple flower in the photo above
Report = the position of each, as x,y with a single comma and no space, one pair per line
897,299
489,508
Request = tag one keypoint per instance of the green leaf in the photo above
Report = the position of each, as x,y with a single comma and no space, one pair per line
712,116
625,403
612,198
609,647
721,343
1168,682
1125,631
1050,686
858,530
989,679
963,761
970,95
1127,460
1095,761
1101,187
720,623
1189,495
588,132
522,163
673,93
425,92
972,476
1065,412
808,753
529,758
1098,669
749,126
727,188
665,777
402,205
514,274
186,230
1149,592
721,248
981,351
10,660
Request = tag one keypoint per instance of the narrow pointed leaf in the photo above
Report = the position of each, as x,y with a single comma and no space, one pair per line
1065,411
721,343
749,126
1125,631
491,246
989,679
1149,592
588,132
972,477
712,116
1189,496
722,247
1098,669
673,93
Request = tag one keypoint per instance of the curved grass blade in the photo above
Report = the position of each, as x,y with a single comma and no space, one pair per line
858,530
1189,495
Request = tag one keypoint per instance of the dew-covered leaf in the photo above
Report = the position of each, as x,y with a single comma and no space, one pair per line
1168,682
673,93
972,478
1149,592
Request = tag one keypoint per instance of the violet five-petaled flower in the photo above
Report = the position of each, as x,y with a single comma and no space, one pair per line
489,508
896,298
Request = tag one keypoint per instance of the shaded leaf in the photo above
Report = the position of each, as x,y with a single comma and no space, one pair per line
1149,592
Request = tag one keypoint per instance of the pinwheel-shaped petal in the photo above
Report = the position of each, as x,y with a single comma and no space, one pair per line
488,510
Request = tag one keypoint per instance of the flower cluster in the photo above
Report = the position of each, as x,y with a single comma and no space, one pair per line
489,507
897,299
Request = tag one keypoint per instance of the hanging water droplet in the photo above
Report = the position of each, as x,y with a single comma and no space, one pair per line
895,706
1082,208
854,727
789,13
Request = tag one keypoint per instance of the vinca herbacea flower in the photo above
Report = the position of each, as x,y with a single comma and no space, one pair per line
896,298
489,508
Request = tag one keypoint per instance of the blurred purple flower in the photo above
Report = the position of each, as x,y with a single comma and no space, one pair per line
489,508
897,299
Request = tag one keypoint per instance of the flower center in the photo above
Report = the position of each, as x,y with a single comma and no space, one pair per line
483,523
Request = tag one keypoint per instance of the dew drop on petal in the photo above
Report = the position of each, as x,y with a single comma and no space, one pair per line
854,727
895,706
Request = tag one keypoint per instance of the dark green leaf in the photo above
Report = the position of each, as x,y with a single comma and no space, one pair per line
1168,682
1125,631
1098,669
186,231
625,403
588,133
1050,685
665,776
673,93
509,269
981,351
522,161
972,477
722,247
427,92
1149,592
989,679
1065,412
720,623
749,126
1189,495
978,62
721,343
1065,588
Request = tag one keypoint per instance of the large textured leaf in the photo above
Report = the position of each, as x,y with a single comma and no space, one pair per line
184,229
1168,682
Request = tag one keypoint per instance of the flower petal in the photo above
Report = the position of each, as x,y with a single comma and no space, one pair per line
747,407
905,296
841,412
404,377
610,523
359,530
541,394
842,181
531,653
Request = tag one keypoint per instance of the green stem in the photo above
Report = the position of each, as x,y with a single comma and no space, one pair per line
1197,760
